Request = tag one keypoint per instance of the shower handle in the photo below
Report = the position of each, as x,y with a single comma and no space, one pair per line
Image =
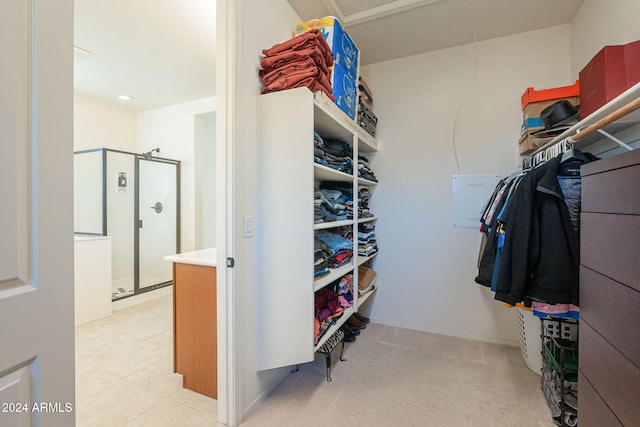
157,207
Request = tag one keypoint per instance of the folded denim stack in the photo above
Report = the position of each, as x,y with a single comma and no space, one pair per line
366,118
302,61
333,205
367,241
321,260
364,171
364,194
339,248
335,154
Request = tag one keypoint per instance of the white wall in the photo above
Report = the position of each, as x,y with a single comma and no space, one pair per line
426,267
173,130
100,124
602,23
264,23
205,180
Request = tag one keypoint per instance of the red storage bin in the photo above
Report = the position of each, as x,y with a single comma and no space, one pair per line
609,73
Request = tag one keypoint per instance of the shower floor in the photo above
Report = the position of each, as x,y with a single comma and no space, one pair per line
124,287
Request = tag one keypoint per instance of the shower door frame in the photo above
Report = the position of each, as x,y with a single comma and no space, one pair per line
136,213
137,290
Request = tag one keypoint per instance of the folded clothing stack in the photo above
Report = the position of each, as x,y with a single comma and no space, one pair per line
333,153
367,241
302,61
339,248
321,259
366,119
364,171
332,205
364,194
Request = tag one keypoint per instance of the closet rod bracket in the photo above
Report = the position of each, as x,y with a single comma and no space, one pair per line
616,140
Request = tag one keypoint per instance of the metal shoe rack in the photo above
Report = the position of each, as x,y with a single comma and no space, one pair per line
559,380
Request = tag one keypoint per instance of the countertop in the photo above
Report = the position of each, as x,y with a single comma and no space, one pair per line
205,257
89,237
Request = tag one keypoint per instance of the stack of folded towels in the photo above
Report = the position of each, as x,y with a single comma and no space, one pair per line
302,61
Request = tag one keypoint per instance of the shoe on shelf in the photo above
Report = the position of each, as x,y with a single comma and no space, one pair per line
361,318
349,330
355,323
348,337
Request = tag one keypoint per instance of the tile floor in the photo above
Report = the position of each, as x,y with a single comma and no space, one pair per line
124,372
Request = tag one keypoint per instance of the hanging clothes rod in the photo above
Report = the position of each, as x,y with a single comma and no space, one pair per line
619,113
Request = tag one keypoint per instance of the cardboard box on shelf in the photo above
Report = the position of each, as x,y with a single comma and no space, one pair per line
526,143
531,121
531,95
345,90
610,72
345,51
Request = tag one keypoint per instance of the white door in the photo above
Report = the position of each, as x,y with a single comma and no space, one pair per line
36,213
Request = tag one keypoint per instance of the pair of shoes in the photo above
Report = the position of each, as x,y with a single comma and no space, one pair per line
361,318
349,330
355,323
348,336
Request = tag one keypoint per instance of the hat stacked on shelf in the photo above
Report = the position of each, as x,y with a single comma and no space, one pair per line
302,61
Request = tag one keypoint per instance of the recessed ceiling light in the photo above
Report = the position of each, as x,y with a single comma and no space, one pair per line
125,97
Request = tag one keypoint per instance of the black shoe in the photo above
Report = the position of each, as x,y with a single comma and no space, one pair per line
361,318
349,330
348,337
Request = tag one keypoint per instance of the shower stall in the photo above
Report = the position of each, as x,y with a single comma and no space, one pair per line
134,199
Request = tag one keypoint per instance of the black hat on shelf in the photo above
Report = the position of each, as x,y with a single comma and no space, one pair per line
558,117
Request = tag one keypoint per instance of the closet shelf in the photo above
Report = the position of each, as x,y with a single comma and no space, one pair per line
366,295
364,259
325,173
620,101
334,274
330,121
341,320
366,182
332,224
366,142
370,219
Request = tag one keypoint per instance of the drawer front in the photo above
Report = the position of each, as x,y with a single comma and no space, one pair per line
615,191
610,245
613,376
592,411
606,305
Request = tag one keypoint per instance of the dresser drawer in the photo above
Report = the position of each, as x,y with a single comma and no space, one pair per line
610,245
605,305
616,379
614,191
592,411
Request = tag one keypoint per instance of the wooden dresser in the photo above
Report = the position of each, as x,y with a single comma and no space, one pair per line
609,342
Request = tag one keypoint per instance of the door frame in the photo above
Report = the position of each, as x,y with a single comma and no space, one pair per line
227,48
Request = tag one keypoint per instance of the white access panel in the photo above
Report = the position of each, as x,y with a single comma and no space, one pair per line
470,194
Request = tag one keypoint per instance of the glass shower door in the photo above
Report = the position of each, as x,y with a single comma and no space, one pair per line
157,221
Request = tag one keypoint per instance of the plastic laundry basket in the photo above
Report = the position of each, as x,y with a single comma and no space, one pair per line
530,340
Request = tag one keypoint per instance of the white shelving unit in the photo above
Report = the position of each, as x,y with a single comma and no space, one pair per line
285,226
625,128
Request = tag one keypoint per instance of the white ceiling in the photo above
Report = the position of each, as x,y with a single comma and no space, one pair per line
389,29
159,52
163,52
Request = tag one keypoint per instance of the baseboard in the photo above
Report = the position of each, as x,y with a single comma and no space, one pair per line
265,393
493,340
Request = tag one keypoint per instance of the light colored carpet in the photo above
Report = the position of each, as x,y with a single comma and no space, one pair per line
400,377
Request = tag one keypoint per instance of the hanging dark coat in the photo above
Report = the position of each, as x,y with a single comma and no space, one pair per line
540,258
